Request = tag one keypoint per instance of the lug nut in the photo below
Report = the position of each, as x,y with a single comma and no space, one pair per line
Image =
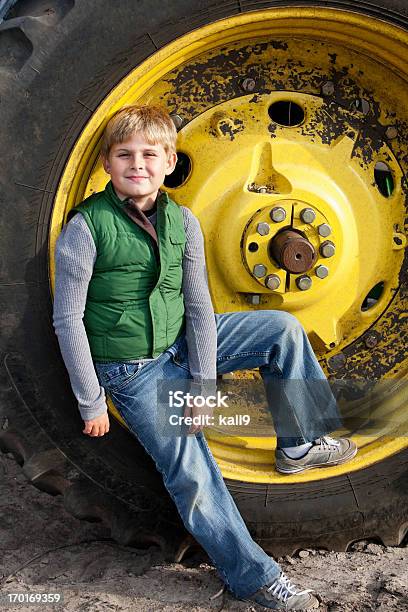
324,230
337,362
178,121
272,281
253,298
328,88
259,270
278,214
304,282
391,132
248,84
308,215
321,271
263,229
371,339
327,249
362,105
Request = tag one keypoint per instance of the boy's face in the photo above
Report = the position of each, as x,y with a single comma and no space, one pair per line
137,169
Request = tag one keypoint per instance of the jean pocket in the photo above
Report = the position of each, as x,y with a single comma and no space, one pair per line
116,376
180,359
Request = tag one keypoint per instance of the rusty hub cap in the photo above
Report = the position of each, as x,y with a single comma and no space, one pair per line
293,252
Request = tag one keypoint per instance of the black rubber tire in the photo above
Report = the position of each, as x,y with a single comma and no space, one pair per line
57,65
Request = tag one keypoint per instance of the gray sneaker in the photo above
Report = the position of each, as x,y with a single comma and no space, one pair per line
325,452
283,595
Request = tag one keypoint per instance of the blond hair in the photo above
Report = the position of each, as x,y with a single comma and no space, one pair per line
152,121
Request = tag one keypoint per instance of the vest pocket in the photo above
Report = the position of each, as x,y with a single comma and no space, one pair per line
176,238
129,338
176,231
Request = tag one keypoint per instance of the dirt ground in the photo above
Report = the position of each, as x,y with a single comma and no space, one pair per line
45,550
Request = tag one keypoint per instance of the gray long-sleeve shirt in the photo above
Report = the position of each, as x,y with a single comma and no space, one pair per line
75,257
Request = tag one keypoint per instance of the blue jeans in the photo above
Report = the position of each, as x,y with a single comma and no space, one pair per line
272,341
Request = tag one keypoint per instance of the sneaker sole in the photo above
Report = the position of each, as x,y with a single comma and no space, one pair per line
313,605
304,468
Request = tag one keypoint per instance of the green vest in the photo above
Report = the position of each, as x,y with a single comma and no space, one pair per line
134,307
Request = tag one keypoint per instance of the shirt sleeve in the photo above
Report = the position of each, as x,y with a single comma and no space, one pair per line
201,329
75,255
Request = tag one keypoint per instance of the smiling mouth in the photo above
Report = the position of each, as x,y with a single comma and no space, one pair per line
136,178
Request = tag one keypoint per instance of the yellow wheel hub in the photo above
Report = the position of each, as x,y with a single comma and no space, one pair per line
296,162
241,176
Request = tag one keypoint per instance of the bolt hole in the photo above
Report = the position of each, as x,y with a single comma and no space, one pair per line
298,256
180,173
332,344
373,297
253,247
384,179
397,240
286,113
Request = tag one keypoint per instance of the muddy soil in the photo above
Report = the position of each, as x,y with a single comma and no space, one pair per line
43,549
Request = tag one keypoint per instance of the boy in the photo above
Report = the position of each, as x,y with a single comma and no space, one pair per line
132,308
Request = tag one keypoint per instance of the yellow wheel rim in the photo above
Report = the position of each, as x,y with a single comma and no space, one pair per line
337,148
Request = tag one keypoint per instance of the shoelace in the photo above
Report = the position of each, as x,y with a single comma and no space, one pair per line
327,441
282,588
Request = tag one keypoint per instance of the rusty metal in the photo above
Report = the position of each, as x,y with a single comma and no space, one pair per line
293,252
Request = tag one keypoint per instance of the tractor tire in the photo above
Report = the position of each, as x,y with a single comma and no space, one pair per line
59,59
